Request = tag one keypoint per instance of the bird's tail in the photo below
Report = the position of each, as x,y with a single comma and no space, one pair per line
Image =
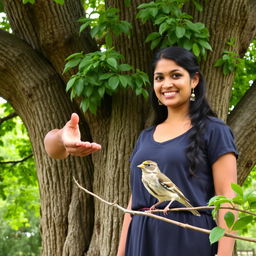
187,204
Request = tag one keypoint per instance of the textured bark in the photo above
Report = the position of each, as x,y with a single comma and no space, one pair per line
31,80
243,122
26,82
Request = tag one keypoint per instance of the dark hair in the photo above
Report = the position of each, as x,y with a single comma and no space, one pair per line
199,109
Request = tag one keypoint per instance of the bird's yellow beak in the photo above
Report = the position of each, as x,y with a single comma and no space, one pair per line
141,166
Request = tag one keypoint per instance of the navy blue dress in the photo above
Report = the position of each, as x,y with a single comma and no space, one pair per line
151,237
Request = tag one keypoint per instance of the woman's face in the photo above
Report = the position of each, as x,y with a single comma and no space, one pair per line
172,84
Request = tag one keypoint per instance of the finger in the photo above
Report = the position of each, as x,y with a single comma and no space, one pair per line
74,120
85,152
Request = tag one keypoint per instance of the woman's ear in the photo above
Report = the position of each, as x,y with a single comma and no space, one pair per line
195,80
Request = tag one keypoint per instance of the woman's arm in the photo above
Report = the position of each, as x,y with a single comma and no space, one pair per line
60,143
125,227
224,174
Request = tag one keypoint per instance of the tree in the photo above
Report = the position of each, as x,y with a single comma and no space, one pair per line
32,60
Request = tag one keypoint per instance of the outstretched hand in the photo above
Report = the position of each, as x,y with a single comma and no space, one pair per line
71,139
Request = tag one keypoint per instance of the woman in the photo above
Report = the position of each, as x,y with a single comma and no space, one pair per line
194,149
191,146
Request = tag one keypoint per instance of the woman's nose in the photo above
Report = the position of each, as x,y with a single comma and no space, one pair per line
167,83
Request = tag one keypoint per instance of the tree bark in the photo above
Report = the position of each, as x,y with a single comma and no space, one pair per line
242,120
36,92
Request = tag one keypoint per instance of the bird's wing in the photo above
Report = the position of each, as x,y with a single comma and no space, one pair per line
169,185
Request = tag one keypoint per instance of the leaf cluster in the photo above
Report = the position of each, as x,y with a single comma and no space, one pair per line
174,26
104,24
244,75
243,201
229,62
100,73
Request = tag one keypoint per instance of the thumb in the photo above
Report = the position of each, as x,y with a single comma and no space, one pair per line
74,120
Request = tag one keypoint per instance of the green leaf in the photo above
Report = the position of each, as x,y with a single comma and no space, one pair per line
237,200
219,63
59,1
88,91
83,27
216,234
180,31
93,108
155,43
123,80
163,27
198,6
84,105
101,91
112,62
196,49
138,91
145,93
105,76
95,31
108,40
79,86
125,67
28,1
229,218
205,44
187,44
238,189
152,36
113,82
242,222
252,201
71,83
76,55
71,64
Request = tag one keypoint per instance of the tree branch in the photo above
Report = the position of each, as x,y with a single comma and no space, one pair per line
17,161
6,118
242,121
183,225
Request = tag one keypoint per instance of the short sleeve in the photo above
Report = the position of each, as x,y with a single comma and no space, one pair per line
219,141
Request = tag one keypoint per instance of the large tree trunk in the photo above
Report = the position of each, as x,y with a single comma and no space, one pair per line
32,81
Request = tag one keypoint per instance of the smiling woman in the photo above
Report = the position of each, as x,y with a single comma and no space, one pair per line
173,84
193,149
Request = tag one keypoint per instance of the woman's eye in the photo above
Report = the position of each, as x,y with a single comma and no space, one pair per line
158,78
175,76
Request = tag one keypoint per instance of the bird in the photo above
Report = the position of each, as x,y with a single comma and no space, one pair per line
161,187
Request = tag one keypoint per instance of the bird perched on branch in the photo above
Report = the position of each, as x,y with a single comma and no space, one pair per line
161,187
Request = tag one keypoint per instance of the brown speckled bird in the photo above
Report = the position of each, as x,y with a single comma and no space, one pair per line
161,187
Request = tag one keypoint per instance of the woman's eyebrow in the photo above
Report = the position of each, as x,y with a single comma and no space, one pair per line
172,71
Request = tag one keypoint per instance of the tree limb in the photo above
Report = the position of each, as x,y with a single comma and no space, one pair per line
243,123
17,161
183,225
6,118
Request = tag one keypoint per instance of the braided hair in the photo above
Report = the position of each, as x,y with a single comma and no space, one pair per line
199,109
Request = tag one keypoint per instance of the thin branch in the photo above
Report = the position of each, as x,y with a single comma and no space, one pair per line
17,161
6,118
206,208
183,225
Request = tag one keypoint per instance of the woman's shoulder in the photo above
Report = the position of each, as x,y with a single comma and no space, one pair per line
147,131
216,126
213,123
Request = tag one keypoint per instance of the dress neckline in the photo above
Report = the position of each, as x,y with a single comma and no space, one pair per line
169,140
